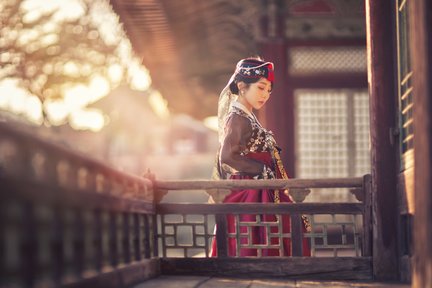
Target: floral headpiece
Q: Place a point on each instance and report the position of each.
(248, 70)
(251, 69)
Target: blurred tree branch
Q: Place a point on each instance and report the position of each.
(37, 51)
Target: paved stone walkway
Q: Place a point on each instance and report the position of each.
(216, 282)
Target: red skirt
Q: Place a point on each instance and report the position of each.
(258, 233)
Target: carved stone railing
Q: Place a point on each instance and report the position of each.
(67, 220)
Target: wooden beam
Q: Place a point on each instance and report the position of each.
(292, 267)
(257, 184)
(329, 81)
(37, 192)
(380, 51)
(354, 42)
(421, 51)
(260, 208)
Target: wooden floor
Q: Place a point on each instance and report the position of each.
(215, 282)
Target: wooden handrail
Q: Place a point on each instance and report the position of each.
(259, 184)
(24, 148)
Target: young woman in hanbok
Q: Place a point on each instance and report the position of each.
(249, 151)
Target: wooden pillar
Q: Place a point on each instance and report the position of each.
(381, 71)
(278, 115)
(421, 57)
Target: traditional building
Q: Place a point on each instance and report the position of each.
(353, 80)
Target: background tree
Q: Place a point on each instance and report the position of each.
(49, 54)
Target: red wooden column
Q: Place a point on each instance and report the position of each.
(421, 47)
(279, 112)
(381, 71)
(278, 115)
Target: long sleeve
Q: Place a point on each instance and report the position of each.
(238, 131)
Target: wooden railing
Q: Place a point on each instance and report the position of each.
(186, 231)
(67, 220)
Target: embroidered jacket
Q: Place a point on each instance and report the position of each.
(243, 134)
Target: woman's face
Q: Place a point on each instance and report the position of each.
(255, 95)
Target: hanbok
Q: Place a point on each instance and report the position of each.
(249, 151)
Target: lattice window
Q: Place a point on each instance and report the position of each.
(362, 141)
(332, 133)
(305, 60)
(406, 104)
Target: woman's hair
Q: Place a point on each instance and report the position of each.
(251, 70)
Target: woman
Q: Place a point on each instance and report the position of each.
(249, 151)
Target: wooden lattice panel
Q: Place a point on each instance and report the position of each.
(191, 235)
(305, 60)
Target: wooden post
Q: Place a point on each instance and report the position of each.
(146, 247)
(113, 251)
(278, 114)
(296, 235)
(421, 57)
(78, 241)
(380, 48)
(28, 248)
(154, 228)
(126, 249)
(367, 221)
(137, 237)
(222, 235)
(279, 110)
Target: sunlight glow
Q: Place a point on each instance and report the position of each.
(139, 76)
(99, 88)
(66, 9)
(107, 22)
(211, 123)
(124, 49)
(33, 109)
(49, 39)
(73, 110)
(77, 97)
(57, 112)
(91, 119)
(71, 105)
(20, 101)
(115, 73)
(17, 101)
(71, 68)
(80, 95)
(159, 105)
(25, 38)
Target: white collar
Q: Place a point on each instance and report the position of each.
(243, 108)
